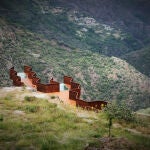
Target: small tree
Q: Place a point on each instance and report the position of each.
(110, 110)
(110, 125)
(1, 117)
(118, 111)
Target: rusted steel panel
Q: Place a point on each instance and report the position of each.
(13, 74)
(27, 69)
(91, 105)
(36, 80)
(55, 87)
(97, 104)
(31, 75)
(68, 80)
(40, 87)
(16, 79)
(78, 91)
(53, 82)
(48, 88)
(75, 85)
(17, 83)
(11, 70)
(81, 103)
(73, 95)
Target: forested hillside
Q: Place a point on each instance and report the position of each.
(140, 60)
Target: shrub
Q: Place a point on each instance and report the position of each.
(52, 105)
(8, 97)
(31, 108)
(53, 97)
(1, 117)
(119, 111)
(30, 98)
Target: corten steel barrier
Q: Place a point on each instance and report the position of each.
(13, 74)
(91, 105)
(31, 75)
(68, 80)
(75, 91)
(53, 86)
(16, 79)
(75, 85)
(27, 69)
(76, 88)
(74, 94)
(47, 88)
(36, 80)
(81, 103)
(11, 71)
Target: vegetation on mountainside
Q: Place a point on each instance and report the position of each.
(144, 111)
(118, 111)
(101, 77)
(69, 27)
(56, 126)
(140, 60)
(56, 40)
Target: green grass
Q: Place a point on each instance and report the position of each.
(44, 125)
(140, 141)
(46, 128)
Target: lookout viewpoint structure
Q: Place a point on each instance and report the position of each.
(71, 95)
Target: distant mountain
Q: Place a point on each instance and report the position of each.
(69, 38)
(129, 15)
(110, 27)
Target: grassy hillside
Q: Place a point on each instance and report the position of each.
(101, 77)
(44, 123)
